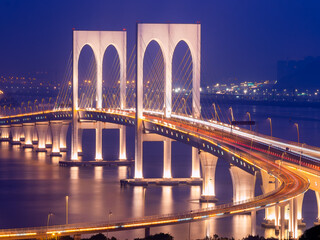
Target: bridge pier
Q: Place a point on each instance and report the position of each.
(282, 221)
(293, 221)
(253, 223)
(318, 205)
(63, 136)
(122, 143)
(268, 185)
(5, 132)
(49, 138)
(195, 163)
(55, 129)
(16, 130)
(243, 184)
(167, 158)
(98, 156)
(147, 232)
(35, 135)
(42, 129)
(28, 132)
(208, 164)
(80, 131)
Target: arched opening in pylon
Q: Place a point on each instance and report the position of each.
(153, 78)
(111, 78)
(182, 70)
(87, 83)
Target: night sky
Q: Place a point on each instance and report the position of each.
(243, 39)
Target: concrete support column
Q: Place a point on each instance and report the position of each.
(122, 143)
(35, 138)
(55, 130)
(63, 136)
(195, 163)
(80, 131)
(98, 156)
(268, 184)
(147, 232)
(208, 164)
(49, 138)
(318, 204)
(16, 130)
(28, 129)
(138, 167)
(282, 221)
(293, 221)
(22, 136)
(243, 184)
(253, 223)
(5, 132)
(42, 129)
(299, 200)
(167, 158)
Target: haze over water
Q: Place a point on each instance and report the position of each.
(32, 184)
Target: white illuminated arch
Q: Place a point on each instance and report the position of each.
(99, 41)
(168, 36)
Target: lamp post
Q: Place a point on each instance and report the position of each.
(67, 209)
(49, 215)
(231, 111)
(249, 116)
(270, 126)
(109, 214)
(297, 126)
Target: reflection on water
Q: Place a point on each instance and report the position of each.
(98, 173)
(241, 225)
(74, 173)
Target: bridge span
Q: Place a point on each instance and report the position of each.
(156, 115)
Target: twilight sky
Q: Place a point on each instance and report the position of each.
(240, 38)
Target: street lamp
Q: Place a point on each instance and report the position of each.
(67, 209)
(49, 215)
(297, 126)
(270, 126)
(109, 214)
(231, 111)
(249, 116)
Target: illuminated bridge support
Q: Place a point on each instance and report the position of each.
(79, 142)
(99, 41)
(42, 128)
(167, 174)
(28, 129)
(55, 130)
(98, 156)
(167, 36)
(243, 184)
(16, 130)
(49, 138)
(195, 163)
(208, 164)
(293, 218)
(5, 132)
(318, 204)
(63, 136)
(268, 185)
(282, 221)
(35, 136)
(122, 143)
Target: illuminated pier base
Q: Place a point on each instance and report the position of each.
(49, 138)
(268, 185)
(243, 184)
(208, 164)
(63, 136)
(5, 132)
(42, 129)
(195, 163)
(282, 222)
(98, 156)
(55, 130)
(122, 143)
(28, 129)
(16, 130)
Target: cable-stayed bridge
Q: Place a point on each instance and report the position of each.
(162, 103)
